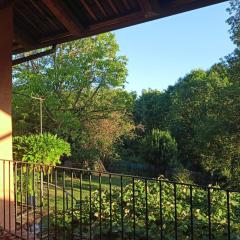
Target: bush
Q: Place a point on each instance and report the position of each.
(200, 212)
(160, 149)
(42, 149)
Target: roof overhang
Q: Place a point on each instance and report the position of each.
(42, 23)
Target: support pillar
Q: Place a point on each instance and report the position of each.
(7, 213)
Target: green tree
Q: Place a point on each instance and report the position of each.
(201, 111)
(151, 109)
(220, 150)
(221, 133)
(82, 83)
(234, 21)
(160, 149)
(189, 109)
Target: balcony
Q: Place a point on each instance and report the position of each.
(68, 203)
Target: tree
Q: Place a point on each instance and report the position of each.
(106, 136)
(151, 109)
(188, 111)
(220, 150)
(82, 83)
(221, 153)
(160, 149)
(234, 21)
(201, 111)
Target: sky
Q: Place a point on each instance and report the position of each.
(161, 51)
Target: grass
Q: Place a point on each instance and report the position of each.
(57, 197)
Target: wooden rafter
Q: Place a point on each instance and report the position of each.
(113, 7)
(41, 11)
(146, 8)
(36, 28)
(116, 22)
(21, 37)
(104, 26)
(33, 56)
(5, 3)
(89, 10)
(63, 17)
(96, 28)
(27, 21)
(101, 8)
(126, 4)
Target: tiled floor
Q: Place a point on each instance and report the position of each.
(7, 236)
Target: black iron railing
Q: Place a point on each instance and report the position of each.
(68, 203)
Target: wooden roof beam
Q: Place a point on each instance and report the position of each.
(59, 12)
(115, 23)
(33, 56)
(146, 8)
(89, 10)
(23, 39)
(113, 7)
(126, 4)
(101, 8)
(5, 3)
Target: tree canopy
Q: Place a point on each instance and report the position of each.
(82, 83)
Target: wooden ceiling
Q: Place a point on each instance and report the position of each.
(41, 23)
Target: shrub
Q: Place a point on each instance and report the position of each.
(123, 206)
(160, 149)
(200, 211)
(42, 149)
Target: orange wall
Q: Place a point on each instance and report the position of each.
(6, 179)
(6, 36)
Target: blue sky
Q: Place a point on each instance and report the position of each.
(163, 50)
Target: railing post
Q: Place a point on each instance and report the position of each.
(7, 216)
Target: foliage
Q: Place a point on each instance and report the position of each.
(223, 132)
(189, 112)
(104, 134)
(202, 114)
(138, 213)
(160, 149)
(42, 149)
(150, 109)
(82, 84)
(234, 21)
(131, 149)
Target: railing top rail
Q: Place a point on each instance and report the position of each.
(89, 171)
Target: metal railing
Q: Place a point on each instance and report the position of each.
(68, 203)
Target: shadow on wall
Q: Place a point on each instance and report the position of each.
(5, 136)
